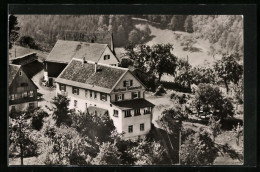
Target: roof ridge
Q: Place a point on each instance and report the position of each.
(15, 65)
(80, 42)
(101, 64)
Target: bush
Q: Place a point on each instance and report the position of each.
(228, 123)
(37, 119)
(175, 86)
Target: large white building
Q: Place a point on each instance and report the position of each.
(102, 88)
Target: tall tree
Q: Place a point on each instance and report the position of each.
(228, 70)
(61, 111)
(19, 135)
(188, 24)
(13, 30)
(198, 149)
(184, 76)
(162, 60)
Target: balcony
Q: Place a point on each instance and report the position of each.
(22, 100)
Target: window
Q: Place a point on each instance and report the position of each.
(137, 112)
(75, 91)
(95, 95)
(119, 97)
(25, 94)
(130, 129)
(128, 113)
(147, 110)
(135, 95)
(142, 127)
(13, 109)
(128, 83)
(90, 94)
(62, 87)
(12, 96)
(75, 103)
(24, 84)
(115, 113)
(86, 93)
(106, 57)
(31, 105)
(103, 96)
(20, 73)
(31, 94)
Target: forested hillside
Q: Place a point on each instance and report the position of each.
(224, 32)
(45, 29)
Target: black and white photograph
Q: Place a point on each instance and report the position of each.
(109, 89)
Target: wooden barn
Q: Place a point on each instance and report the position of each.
(22, 90)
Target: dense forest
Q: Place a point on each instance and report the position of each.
(225, 32)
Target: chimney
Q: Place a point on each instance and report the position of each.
(95, 67)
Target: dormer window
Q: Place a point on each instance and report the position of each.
(106, 57)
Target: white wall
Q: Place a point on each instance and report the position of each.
(112, 60)
(82, 100)
(136, 121)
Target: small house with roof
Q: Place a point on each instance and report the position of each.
(22, 90)
(65, 50)
(102, 88)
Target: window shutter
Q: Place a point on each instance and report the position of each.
(116, 97)
(78, 91)
(60, 86)
(64, 87)
(123, 96)
(138, 94)
(124, 84)
(131, 82)
(132, 95)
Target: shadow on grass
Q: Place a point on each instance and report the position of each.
(171, 143)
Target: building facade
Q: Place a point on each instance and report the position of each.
(64, 50)
(22, 90)
(110, 89)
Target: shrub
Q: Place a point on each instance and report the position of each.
(160, 91)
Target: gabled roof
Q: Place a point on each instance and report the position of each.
(63, 51)
(12, 71)
(133, 104)
(83, 75)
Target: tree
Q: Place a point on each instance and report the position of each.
(37, 119)
(126, 62)
(61, 111)
(148, 153)
(198, 149)
(28, 41)
(228, 70)
(94, 126)
(184, 75)
(108, 155)
(162, 60)
(13, 30)
(134, 36)
(209, 99)
(19, 136)
(188, 24)
(214, 126)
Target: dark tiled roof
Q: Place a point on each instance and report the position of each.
(64, 51)
(12, 71)
(105, 77)
(133, 104)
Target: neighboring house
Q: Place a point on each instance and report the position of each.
(64, 51)
(22, 90)
(100, 88)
